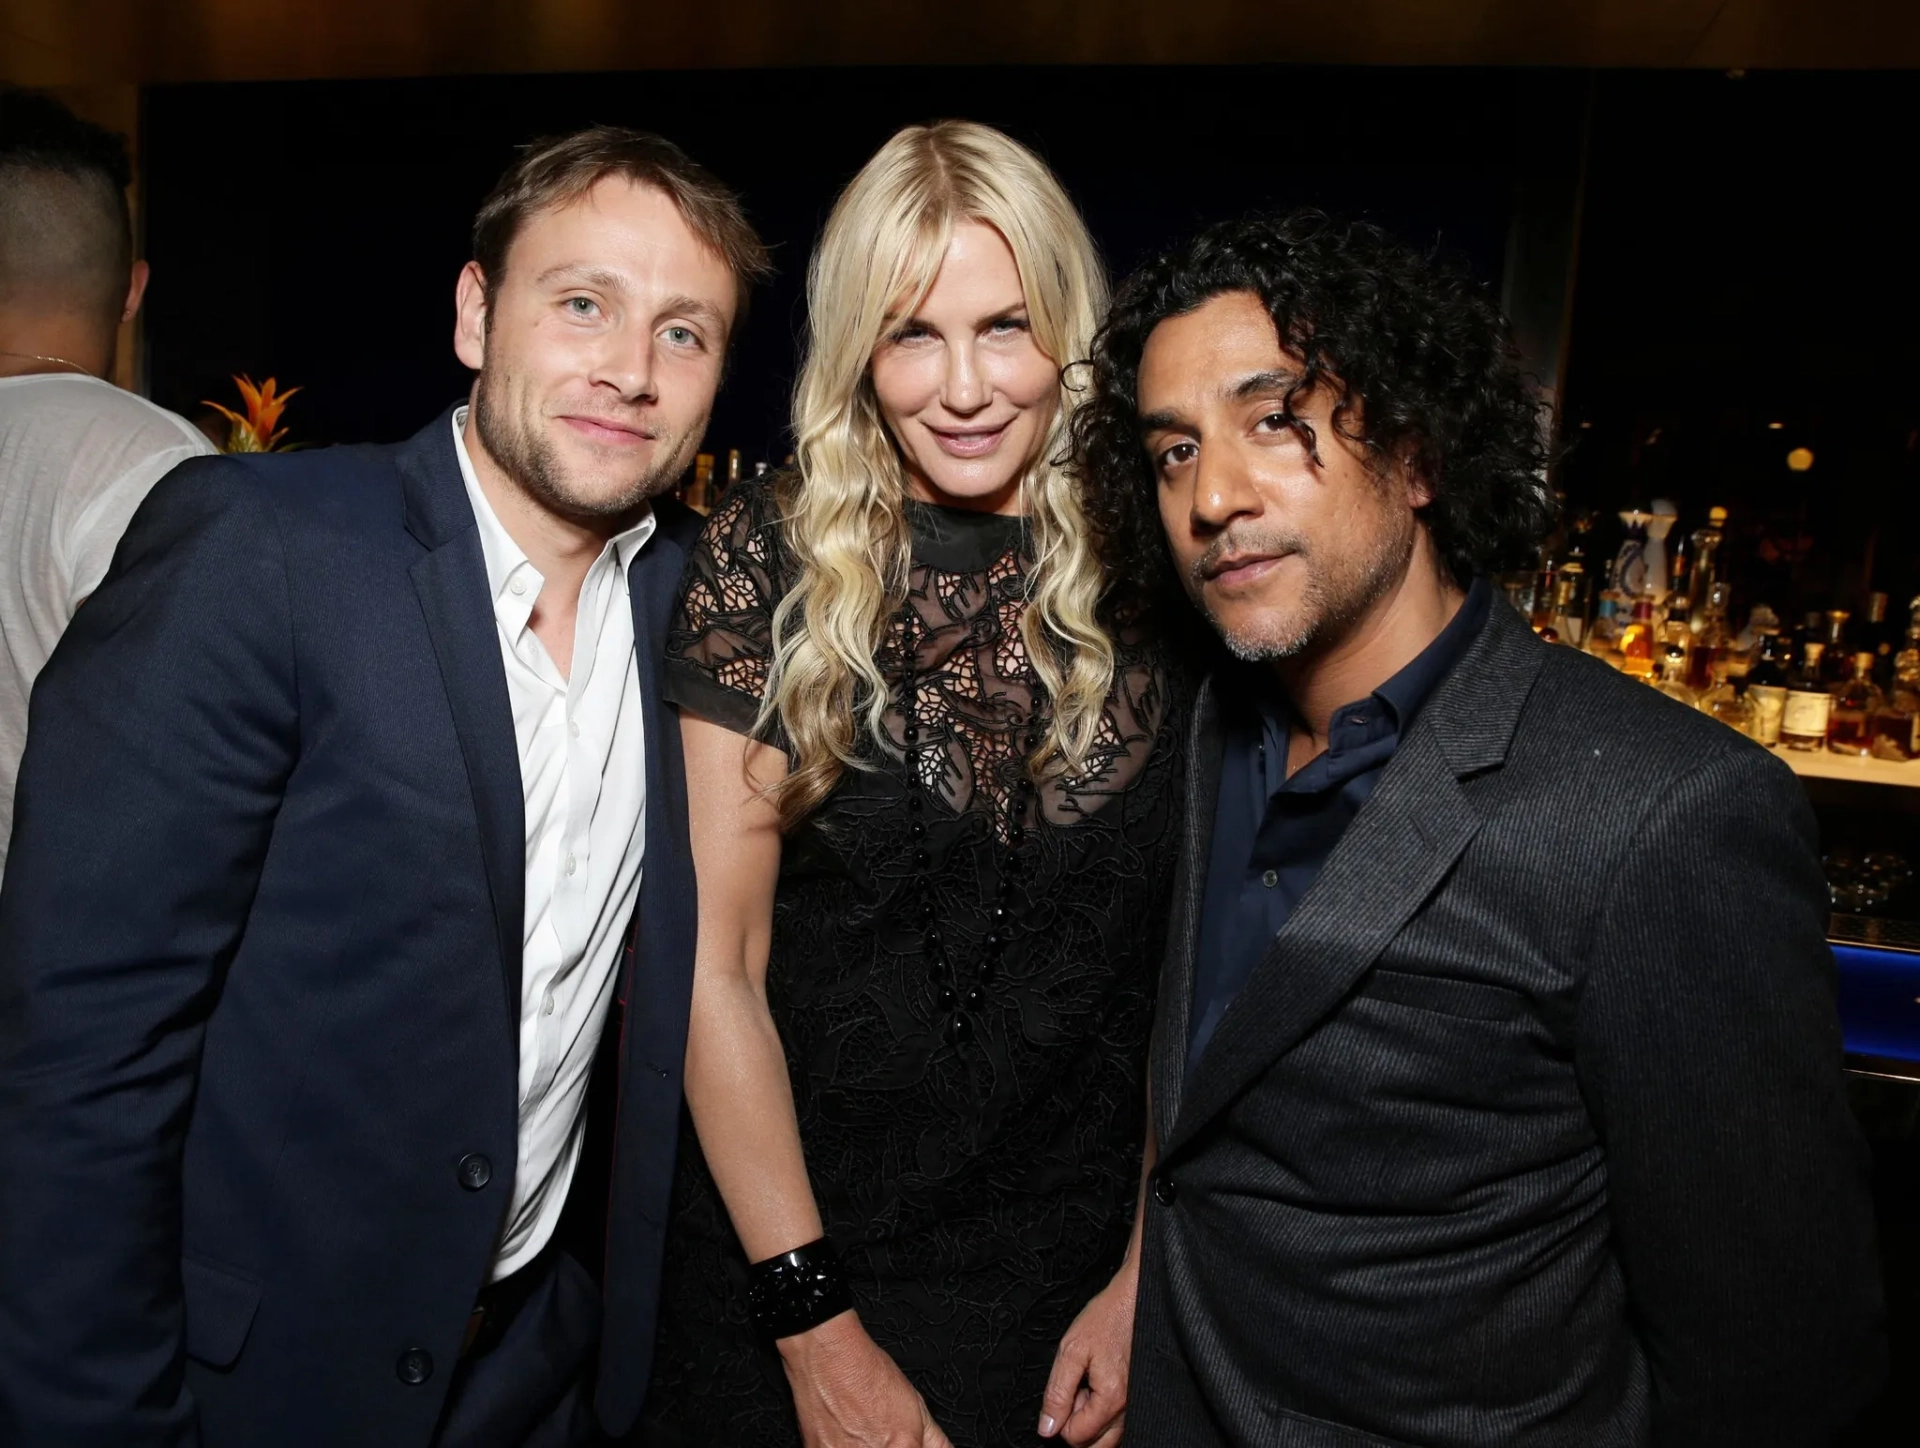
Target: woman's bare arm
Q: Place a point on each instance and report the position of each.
(846, 1390)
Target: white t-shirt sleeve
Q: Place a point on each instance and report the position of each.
(86, 549)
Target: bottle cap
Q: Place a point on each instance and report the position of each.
(1716, 516)
(1863, 660)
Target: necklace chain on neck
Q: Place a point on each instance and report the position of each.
(43, 357)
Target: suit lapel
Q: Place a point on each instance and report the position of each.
(657, 1018)
(451, 582)
(1392, 857)
(1173, 1015)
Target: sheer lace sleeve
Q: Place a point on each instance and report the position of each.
(720, 642)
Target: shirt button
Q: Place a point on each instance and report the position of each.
(517, 587)
(546, 1004)
(570, 864)
(1270, 879)
(573, 728)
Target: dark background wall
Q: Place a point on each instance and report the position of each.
(314, 230)
(1748, 257)
(1745, 255)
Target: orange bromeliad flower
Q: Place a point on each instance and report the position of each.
(253, 431)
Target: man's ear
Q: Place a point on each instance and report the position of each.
(470, 316)
(136, 290)
(1413, 478)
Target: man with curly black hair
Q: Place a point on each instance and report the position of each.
(1497, 1079)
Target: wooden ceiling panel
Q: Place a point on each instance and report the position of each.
(94, 42)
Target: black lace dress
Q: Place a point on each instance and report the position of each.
(962, 972)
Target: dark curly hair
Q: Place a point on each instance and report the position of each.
(1420, 361)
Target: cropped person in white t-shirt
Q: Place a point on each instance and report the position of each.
(77, 454)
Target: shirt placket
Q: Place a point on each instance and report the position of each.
(522, 591)
(579, 797)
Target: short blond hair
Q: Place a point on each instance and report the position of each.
(556, 170)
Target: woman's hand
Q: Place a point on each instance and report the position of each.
(1086, 1399)
(849, 1394)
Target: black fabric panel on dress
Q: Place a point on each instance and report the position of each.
(981, 1189)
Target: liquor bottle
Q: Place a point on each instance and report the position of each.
(1546, 592)
(1728, 702)
(1603, 638)
(1882, 636)
(697, 494)
(733, 469)
(1570, 601)
(1636, 640)
(1660, 523)
(1573, 584)
(1896, 727)
(1803, 723)
(1706, 564)
(1908, 659)
(1675, 632)
(1714, 643)
(1850, 722)
(1837, 659)
(1670, 680)
(1629, 574)
(1767, 688)
(1680, 568)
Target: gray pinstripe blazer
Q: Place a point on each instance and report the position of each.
(1529, 1128)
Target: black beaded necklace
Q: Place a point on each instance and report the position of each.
(958, 1006)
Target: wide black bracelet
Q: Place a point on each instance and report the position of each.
(798, 1289)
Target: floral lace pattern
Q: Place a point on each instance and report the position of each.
(979, 1182)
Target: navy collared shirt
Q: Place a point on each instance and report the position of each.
(1271, 834)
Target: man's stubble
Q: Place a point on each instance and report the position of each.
(517, 445)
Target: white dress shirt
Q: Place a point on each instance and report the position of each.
(584, 778)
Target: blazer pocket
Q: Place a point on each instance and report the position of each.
(1297, 1430)
(1469, 999)
(220, 1307)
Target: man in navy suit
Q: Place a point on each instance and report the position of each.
(350, 829)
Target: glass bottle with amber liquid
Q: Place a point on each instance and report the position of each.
(698, 494)
(1803, 722)
(1669, 676)
(1637, 643)
(1850, 721)
(1836, 659)
(1713, 643)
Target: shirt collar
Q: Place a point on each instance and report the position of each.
(1407, 690)
(1366, 731)
(507, 562)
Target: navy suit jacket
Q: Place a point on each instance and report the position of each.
(260, 970)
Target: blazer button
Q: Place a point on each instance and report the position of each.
(1164, 1191)
(414, 1366)
(475, 1171)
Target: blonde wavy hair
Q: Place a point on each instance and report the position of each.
(844, 519)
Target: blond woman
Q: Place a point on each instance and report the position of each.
(933, 805)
